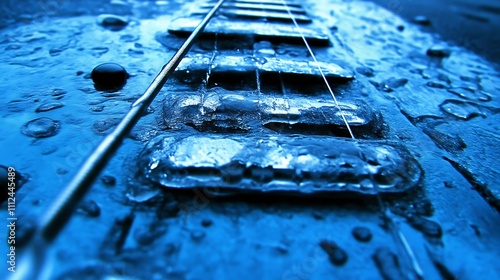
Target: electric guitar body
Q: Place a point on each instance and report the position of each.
(295, 140)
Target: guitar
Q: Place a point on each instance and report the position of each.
(284, 130)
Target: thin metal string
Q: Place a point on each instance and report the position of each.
(205, 83)
(399, 237)
(32, 258)
(319, 68)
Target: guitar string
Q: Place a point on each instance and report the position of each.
(59, 212)
(398, 236)
(206, 83)
(319, 68)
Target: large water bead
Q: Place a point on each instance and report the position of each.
(109, 76)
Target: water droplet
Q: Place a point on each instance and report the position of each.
(367, 184)
(438, 51)
(260, 174)
(128, 38)
(264, 47)
(476, 229)
(318, 215)
(48, 150)
(112, 22)
(98, 51)
(142, 194)
(436, 85)
(450, 185)
(422, 20)
(48, 107)
(449, 143)
(390, 84)
(282, 249)
(336, 254)
(206, 222)
(470, 93)
(260, 60)
(232, 172)
(475, 80)
(109, 77)
(135, 52)
(427, 227)
(56, 52)
(443, 78)
(154, 163)
(249, 59)
(98, 108)
(62, 171)
(362, 234)
(461, 109)
(102, 126)
(41, 128)
(90, 208)
(197, 235)
(32, 37)
(13, 47)
(58, 93)
(365, 71)
(88, 89)
(387, 263)
(108, 180)
(109, 94)
(268, 52)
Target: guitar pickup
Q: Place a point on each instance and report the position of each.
(195, 68)
(219, 110)
(265, 13)
(260, 30)
(267, 2)
(259, 6)
(304, 165)
(269, 20)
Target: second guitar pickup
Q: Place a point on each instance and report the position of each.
(219, 110)
(196, 67)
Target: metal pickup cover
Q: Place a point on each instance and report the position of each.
(291, 164)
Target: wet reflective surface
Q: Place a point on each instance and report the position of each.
(288, 164)
(424, 101)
